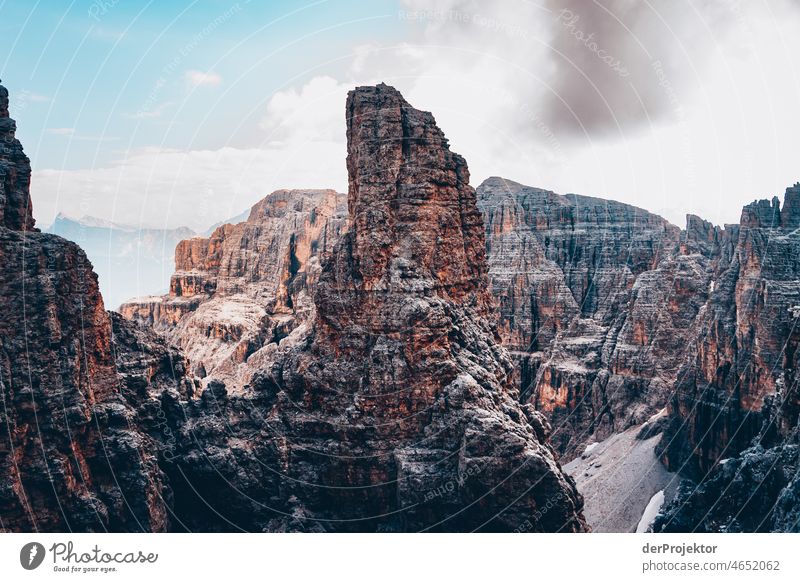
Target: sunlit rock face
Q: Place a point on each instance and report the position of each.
(236, 294)
(612, 315)
(394, 359)
(734, 411)
(739, 381)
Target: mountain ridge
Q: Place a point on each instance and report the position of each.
(424, 363)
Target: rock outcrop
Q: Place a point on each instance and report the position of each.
(395, 411)
(741, 371)
(613, 314)
(16, 211)
(237, 294)
(72, 454)
(598, 303)
(734, 412)
(354, 376)
(757, 490)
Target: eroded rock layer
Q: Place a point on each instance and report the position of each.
(353, 372)
(598, 302)
(396, 412)
(16, 211)
(595, 333)
(237, 294)
(388, 405)
(743, 363)
(734, 412)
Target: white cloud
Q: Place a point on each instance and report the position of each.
(168, 188)
(152, 112)
(713, 134)
(708, 129)
(303, 147)
(61, 130)
(201, 78)
(314, 112)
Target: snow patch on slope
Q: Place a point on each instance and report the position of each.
(618, 478)
(650, 512)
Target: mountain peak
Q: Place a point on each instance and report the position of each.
(16, 210)
(411, 207)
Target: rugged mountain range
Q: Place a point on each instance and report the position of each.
(613, 314)
(404, 353)
(390, 405)
(734, 411)
(394, 360)
(598, 301)
(596, 335)
(237, 293)
(603, 307)
(128, 260)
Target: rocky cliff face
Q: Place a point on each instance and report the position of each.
(354, 377)
(741, 370)
(72, 454)
(598, 302)
(735, 408)
(595, 335)
(395, 411)
(386, 404)
(236, 294)
(613, 314)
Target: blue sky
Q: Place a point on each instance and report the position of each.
(92, 78)
(186, 113)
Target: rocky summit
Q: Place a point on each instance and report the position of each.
(619, 320)
(405, 366)
(395, 411)
(740, 378)
(386, 403)
(734, 411)
(598, 302)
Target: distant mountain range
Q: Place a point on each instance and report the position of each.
(129, 261)
(241, 217)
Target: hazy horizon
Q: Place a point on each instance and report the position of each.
(238, 216)
(166, 116)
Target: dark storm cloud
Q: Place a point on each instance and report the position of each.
(621, 64)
